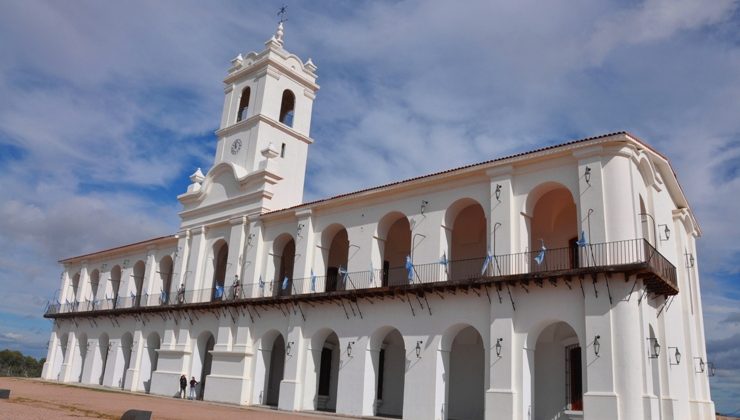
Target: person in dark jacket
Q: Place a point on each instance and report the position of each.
(183, 386)
(193, 386)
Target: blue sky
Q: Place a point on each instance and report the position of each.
(107, 107)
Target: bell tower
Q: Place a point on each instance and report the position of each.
(264, 132)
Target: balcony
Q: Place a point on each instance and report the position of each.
(634, 256)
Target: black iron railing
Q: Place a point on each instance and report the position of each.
(637, 253)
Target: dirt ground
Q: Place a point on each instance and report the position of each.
(35, 399)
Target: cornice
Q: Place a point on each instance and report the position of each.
(254, 120)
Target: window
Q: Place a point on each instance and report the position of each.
(282, 151)
(243, 105)
(287, 106)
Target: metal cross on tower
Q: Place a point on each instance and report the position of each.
(282, 12)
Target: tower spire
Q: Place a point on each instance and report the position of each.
(282, 12)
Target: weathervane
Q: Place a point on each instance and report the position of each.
(282, 12)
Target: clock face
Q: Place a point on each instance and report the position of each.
(236, 146)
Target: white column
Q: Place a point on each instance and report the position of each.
(291, 387)
(253, 258)
(237, 238)
(194, 281)
(600, 401)
(69, 356)
(305, 248)
(84, 289)
(132, 373)
(150, 271)
(501, 395)
(180, 264)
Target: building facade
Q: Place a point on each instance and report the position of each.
(558, 283)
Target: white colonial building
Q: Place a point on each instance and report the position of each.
(559, 283)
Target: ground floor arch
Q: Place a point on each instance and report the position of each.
(465, 375)
(555, 371)
(202, 361)
(322, 372)
(388, 352)
(269, 368)
(127, 343)
(149, 361)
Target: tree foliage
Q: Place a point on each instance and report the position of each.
(14, 363)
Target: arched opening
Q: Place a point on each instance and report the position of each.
(103, 351)
(554, 228)
(221, 256)
(466, 380)
(139, 269)
(94, 284)
(202, 361)
(127, 343)
(396, 229)
(80, 356)
(276, 370)
(149, 361)
(558, 372)
(467, 241)
(115, 284)
(284, 255)
(389, 362)
(75, 288)
(241, 114)
(325, 354)
(287, 106)
(165, 278)
(336, 259)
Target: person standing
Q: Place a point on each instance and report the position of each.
(183, 386)
(193, 385)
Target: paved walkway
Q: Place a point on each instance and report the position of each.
(36, 399)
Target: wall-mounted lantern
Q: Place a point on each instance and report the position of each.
(349, 348)
(300, 229)
(689, 260)
(587, 175)
(653, 348)
(712, 371)
(498, 192)
(597, 345)
(418, 349)
(666, 233)
(424, 204)
(289, 348)
(700, 365)
(498, 346)
(676, 360)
